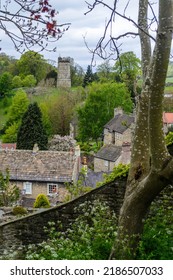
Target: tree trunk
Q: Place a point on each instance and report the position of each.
(151, 165)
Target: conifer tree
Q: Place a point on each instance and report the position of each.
(31, 130)
(89, 77)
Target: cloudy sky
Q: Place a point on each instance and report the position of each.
(90, 26)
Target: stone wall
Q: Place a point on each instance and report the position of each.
(30, 229)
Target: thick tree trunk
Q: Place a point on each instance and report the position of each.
(151, 165)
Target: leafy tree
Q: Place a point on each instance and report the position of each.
(151, 168)
(105, 72)
(10, 135)
(128, 68)
(29, 81)
(31, 130)
(77, 74)
(5, 83)
(45, 118)
(9, 194)
(60, 113)
(99, 106)
(34, 23)
(17, 82)
(32, 63)
(19, 105)
(7, 64)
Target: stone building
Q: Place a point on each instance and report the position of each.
(117, 140)
(64, 75)
(119, 129)
(45, 172)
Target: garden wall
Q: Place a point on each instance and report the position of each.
(30, 229)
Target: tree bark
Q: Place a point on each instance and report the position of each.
(150, 157)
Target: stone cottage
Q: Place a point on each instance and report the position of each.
(119, 129)
(45, 172)
(116, 142)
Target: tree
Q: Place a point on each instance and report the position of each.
(5, 83)
(9, 194)
(18, 107)
(32, 63)
(105, 72)
(34, 22)
(99, 106)
(128, 68)
(151, 168)
(89, 76)
(29, 81)
(60, 113)
(31, 131)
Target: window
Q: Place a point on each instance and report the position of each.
(106, 163)
(52, 189)
(27, 186)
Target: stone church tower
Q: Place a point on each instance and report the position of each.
(64, 77)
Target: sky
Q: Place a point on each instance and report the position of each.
(90, 26)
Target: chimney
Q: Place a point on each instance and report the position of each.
(118, 111)
(35, 148)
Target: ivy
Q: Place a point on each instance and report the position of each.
(119, 171)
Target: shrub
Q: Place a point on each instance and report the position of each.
(90, 236)
(41, 201)
(19, 210)
(157, 239)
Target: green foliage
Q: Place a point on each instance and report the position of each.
(90, 236)
(99, 106)
(105, 72)
(32, 63)
(10, 135)
(31, 130)
(19, 211)
(19, 105)
(16, 82)
(45, 118)
(157, 238)
(5, 83)
(90, 147)
(29, 81)
(169, 138)
(61, 111)
(88, 78)
(17, 109)
(9, 193)
(79, 188)
(41, 201)
(128, 67)
(119, 171)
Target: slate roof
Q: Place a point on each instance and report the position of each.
(109, 152)
(120, 123)
(42, 166)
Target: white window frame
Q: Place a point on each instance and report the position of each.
(52, 185)
(106, 163)
(27, 186)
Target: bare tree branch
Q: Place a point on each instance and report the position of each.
(35, 24)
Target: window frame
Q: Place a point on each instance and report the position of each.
(52, 185)
(25, 185)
